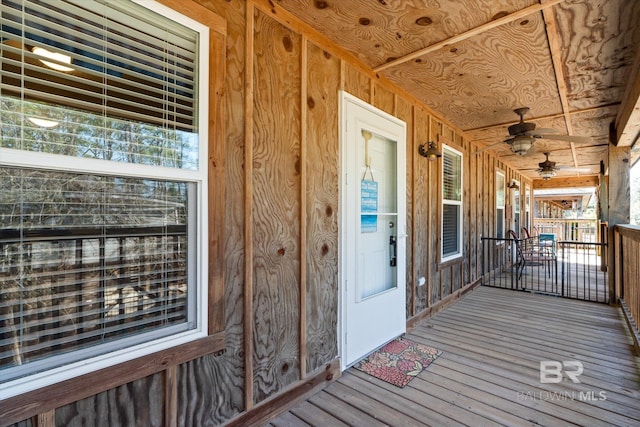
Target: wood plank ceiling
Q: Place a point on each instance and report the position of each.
(574, 63)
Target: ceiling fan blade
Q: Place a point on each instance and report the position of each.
(545, 131)
(573, 169)
(569, 138)
(487, 147)
(532, 151)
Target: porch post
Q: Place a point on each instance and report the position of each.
(619, 206)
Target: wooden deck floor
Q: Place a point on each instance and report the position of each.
(493, 341)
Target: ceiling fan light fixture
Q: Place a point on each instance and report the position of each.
(521, 146)
(547, 174)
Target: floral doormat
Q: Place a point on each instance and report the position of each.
(399, 361)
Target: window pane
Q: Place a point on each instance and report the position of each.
(451, 202)
(500, 182)
(88, 260)
(84, 134)
(126, 90)
(451, 176)
(500, 223)
(450, 230)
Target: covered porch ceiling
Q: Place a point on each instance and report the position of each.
(573, 63)
(566, 199)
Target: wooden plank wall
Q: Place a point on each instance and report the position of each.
(281, 230)
(275, 188)
(404, 111)
(321, 195)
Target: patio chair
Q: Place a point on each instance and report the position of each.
(547, 241)
(529, 253)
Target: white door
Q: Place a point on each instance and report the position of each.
(372, 228)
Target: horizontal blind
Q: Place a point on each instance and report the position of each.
(451, 176)
(88, 260)
(451, 202)
(450, 229)
(127, 68)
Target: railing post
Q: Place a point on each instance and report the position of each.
(555, 268)
(79, 258)
(618, 278)
(562, 263)
(513, 260)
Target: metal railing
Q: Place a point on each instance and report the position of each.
(566, 268)
(583, 273)
(499, 263)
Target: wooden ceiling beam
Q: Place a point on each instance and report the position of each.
(555, 47)
(566, 182)
(470, 33)
(547, 117)
(627, 122)
(553, 202)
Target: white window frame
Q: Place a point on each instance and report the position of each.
(527, 208)
(501, 208)
(54, 162)
(459, 203)
(517, 211)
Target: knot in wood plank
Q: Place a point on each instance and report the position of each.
(287, 43)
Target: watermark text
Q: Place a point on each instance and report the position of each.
(552, 371)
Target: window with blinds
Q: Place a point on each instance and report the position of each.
(102, 80)
(451, 203)
(500, 204)
(101, 154)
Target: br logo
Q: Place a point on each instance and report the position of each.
(552, 371)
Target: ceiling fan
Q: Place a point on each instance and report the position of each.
(548, 169)
(523, 134)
